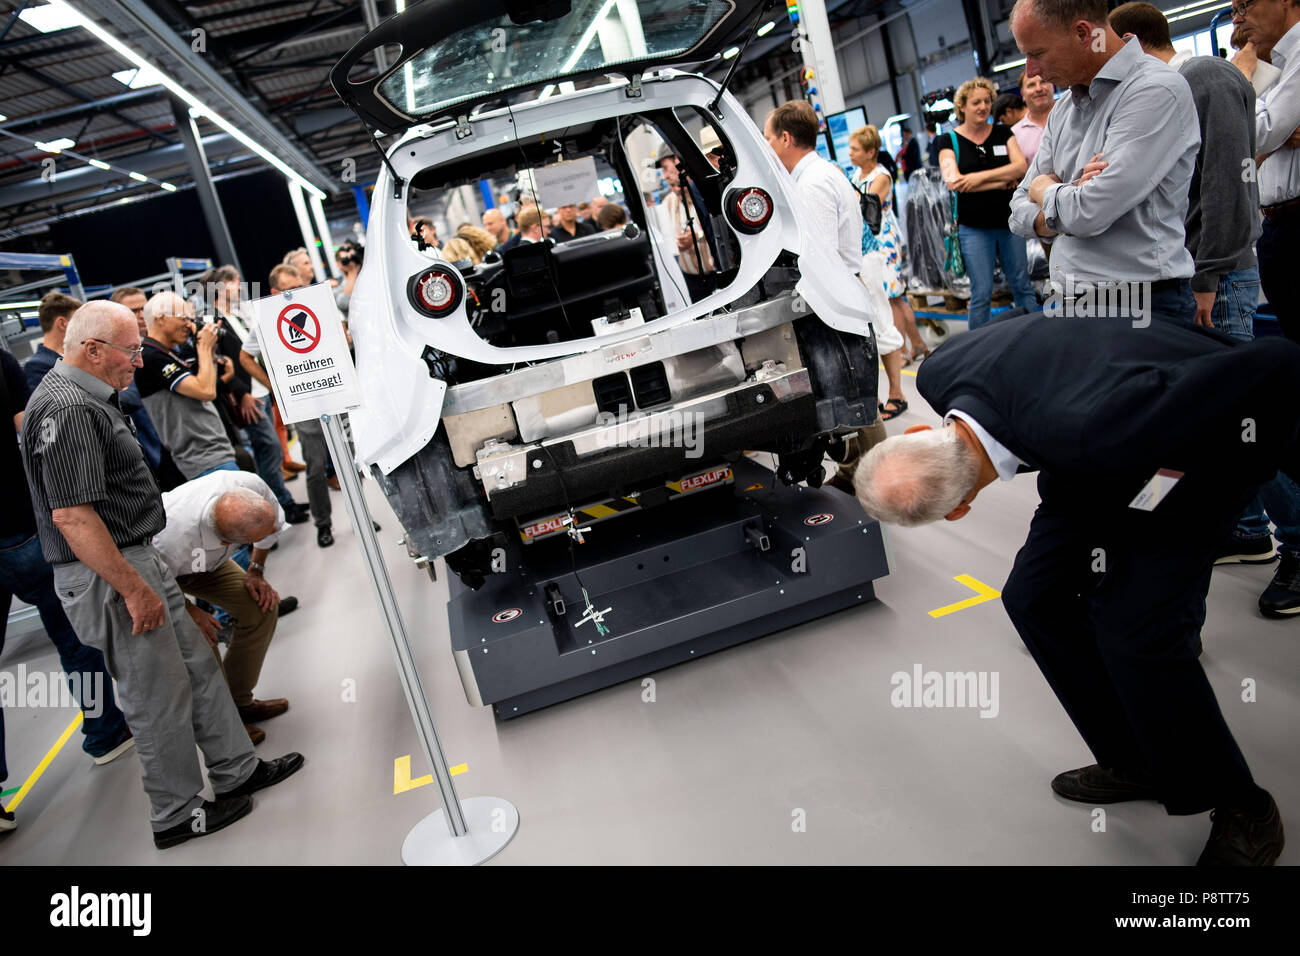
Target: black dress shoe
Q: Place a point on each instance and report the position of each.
(1282, 597)
(1243, 838)
(288, 605)
(324, 536)
(214, 817)
(267, 774)
(1096, 784)
(297, 513)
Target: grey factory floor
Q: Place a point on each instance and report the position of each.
(717, 768)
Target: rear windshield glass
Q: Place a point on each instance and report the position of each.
(496, 55)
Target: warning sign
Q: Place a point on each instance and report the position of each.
(306, 352)
(822, 518)
(298, 328)
(506, 616)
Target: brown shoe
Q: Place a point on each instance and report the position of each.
(255, 734)
(334, 484)
(260, 710)
(290, 465)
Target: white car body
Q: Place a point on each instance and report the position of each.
(403, 403)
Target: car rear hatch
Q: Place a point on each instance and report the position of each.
(456, 55)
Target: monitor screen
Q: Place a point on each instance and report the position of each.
(824, 146)
(838, 128)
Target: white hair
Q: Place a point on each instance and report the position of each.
(241, 514)
(164, 303)
(918, 478)
(95, 320)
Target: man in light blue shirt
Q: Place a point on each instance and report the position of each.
(1109, 184)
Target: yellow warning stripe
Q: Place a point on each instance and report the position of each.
(45, 762)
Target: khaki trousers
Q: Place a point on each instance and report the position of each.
(254, 628)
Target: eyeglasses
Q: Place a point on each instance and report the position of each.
(134, 353)
(1240, 8)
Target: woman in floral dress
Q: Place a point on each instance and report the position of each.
(864, 148)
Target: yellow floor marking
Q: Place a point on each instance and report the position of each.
(902, 371)
(982, 593)
(40, 767)
(402, 775)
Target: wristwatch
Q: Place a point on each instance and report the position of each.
(257, 566)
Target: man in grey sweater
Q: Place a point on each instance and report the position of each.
(1222, 226)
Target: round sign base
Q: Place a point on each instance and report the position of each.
(492, 823)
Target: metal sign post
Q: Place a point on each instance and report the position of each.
(478, 827)
(306, 353)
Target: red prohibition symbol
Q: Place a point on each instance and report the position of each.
(298, 328)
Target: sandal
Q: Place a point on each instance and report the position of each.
(918, 354)
(892, 408)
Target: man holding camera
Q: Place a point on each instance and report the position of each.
(178, 392)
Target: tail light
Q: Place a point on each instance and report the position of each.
(748, 210)
(437, 291)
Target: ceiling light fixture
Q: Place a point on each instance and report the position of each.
(137, 78)
(185, 95)
(99, 164)
(56, 145)
(51, 17)
(138, 177)
(168, 186)
(766, 28)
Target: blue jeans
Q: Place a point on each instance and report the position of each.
(981, 248)
(1234, 314)
(224, 466)
(267, 453)
(25, 573)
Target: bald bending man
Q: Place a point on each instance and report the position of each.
(1108, 597)
(97, 510)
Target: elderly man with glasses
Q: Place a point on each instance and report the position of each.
(178, 391)
(97, 510)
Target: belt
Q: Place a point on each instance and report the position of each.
(138, 543)
(1278, 209)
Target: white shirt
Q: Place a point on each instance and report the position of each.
(1277, 115)
(191, 544)
(832, 205)
(1004, 462)
(243, 329)
(1265, 75)
(252, 344)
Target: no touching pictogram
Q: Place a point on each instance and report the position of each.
(298, 328)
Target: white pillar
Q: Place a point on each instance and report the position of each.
(304, 224)
(323, 227)
(819, 53)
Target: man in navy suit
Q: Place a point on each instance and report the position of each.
(1148, 441)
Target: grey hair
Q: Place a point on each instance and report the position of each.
(240, 514)
(94, 320)
(914, 479)
(162, 304)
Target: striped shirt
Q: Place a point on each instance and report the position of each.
(79, 448)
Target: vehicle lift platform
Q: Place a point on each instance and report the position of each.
(664, 585)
